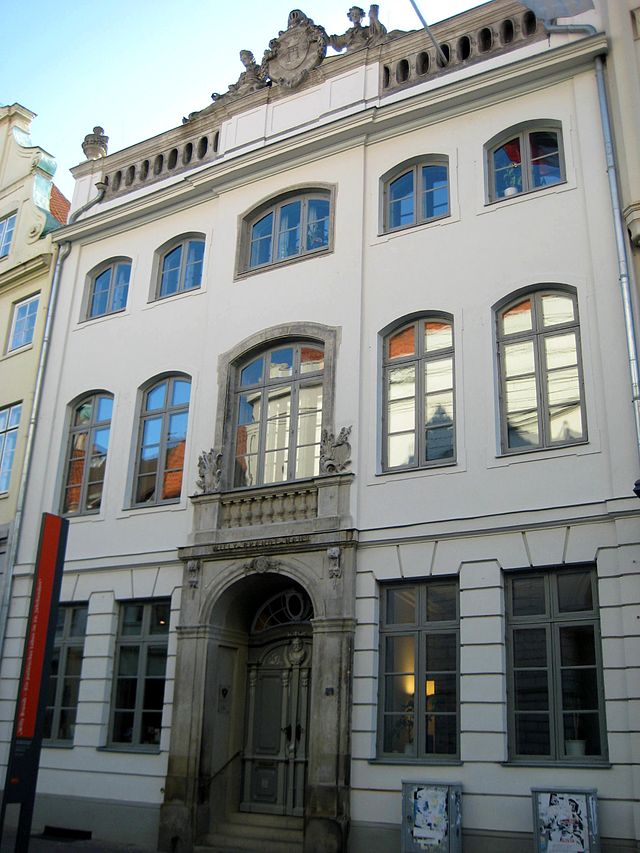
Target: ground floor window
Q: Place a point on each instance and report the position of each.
(64, 678)
(419, 670)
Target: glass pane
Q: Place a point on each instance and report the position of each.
(438, 334)
(74, 661)
(181, 392)
(442, 600)
(156, 397)
(519, 359)
(246, 470)
(399, 693)
(132, 619)
(435, 191)
(439, 409)
(522, 429)
(252, 373)
(401, 416)
(281, 363)
(172, 478)
(521, 394)
(527, 596)
(581, 734)
(442, 653)
(530, 647)
(398, 733)
(193, 270)
(171, 272)
(556, 310)
(104, 409)
(402, 344)
(561, 351)
(307, 461)
(146, 488)
(151, 433)
(438, 375)
(289, 230)
(545, 158)
(153, 694)
(563, 386)
(507, 169)
(159, 623)
(579, 689)
(78, 622)
(99, 301)
(83, 413)
(99, 448)
(574, 591)
(121, 287)
(531, 690)
(276, 466)
(401, 450)
(317, 224)
(278, 411)
(400, 655)
(441, 692)
(70, 689)
(517, 318)
(439, 444)
(532, 734)
(402, 381)
(565, 423)
(150, 729)
(261, 241)
(311, 359)
(123, 727)
(67, 724)
(401, 606)
(441, 734)
(177, 427)
(401, 196)
(126, 689)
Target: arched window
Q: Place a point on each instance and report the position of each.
(417, 191)
(87, 454)
(278, 414)
(292, 226)
(542, 398)
(161, 441)
(524, 159)
(419, 411)
(179, 265)
(108, 288)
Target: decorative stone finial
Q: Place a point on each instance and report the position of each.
(335, 453)
(95, 144)
(209, 471)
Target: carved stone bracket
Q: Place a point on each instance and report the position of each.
(261, 565)
(209, 471)
(335, 567)
(193, 573)
(335, 453)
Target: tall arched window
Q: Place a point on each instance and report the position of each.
(419, 415)
(278, 414)
(161, 441)
(87, 454)
(540, 371)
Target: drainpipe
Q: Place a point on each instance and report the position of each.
(618, 224)
(16, 528)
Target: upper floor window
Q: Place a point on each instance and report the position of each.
(9, 423)
(290, 227)
(419, 671)
(161, 442)
(419, 411)
(416, 193)
(525, 160)
(7, 227)
(23, 324)
(540, 371)
(556, 702)
(278, 414)
(87, 454)
(109, 287)
(180, 266)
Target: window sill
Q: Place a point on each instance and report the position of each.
(84, 321)
(18, 350)
(52, 744)
(507, 201)
(592, 764)
(127, 748)
(128, 511)
(412, 760)
(171, 297)
(285, 262)
(514, 457)
(402, 229)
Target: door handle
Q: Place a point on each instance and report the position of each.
(287, 730)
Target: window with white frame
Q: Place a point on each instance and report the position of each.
(109, 288)
(289, 227)
(419, 670)
(180, 265)
(556, 701)
(542, 399)
(7, 227)
(278, 414)
(416, 192)
(524, 160)
(87, 454)
(418, 377)
(161, 441)
(23, 323)
(9, 423)
(64, 678)
(140, 670)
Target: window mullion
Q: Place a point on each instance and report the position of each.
(262, 433)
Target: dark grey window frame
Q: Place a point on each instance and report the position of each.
(552, 621)
(522, 131)
(62, 644)
(143, 642)
(419, 359)
(94, 274)
(414, 165)
(419, 629)
(158, 260)
(74, 430)
(538, 334)
(273, 205)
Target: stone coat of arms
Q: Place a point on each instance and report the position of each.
(297, 51)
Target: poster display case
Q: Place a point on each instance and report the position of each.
(565, 820)
(431, 817)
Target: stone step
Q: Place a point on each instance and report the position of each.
(243, 832)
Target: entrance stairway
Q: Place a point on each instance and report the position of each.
(249, 833)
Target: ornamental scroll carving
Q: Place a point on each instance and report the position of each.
(335, 452)
(261, 565)
(335, 567)
(193, 573)
(209, 471)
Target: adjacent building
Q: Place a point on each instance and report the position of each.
(339, 407)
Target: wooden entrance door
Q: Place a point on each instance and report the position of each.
(275, 754)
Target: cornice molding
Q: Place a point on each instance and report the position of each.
(26, 271)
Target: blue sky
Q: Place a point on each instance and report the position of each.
(137, 66)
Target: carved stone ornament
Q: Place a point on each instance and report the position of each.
(95, 144)
(335, 568)
(357, 36)
(193, 572)
(335, 453)
(261, 565)
(297, 51)
(296, 651)
(209, 471)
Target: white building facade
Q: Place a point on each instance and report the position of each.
(381, 297)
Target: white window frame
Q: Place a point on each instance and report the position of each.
(7, 229)
(17, 307)
(10, 423)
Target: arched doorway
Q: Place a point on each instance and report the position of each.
(274, 760)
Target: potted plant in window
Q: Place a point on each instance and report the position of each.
(575, 745)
